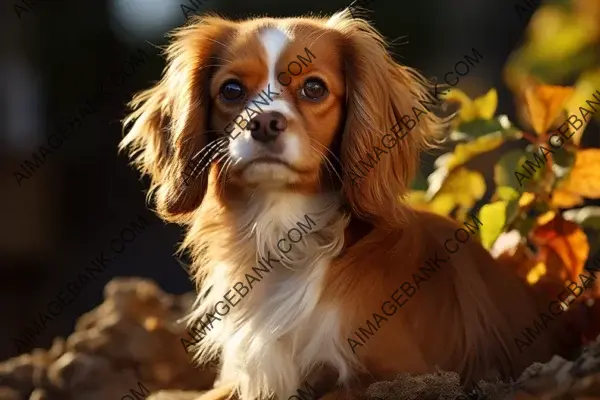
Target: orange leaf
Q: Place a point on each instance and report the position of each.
(565, 199)
(567, 241)
(544, 104)
(584, 178)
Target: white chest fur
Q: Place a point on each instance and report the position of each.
(280, 330)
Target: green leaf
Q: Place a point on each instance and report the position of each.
(504, 170)
(480, 127)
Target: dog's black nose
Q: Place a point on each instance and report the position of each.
(266, 126)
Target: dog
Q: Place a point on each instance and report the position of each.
(248, 139)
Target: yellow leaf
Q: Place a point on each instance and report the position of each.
(584, 178)
(467, 111)
(485, 106)
(557, 35)
(493, 219)
(507, 193)
(544, 104)
(546, 217)
(442, 204)
(536, 273)
(585, 87)
(462, 188)
(466, 151)
(526, 199)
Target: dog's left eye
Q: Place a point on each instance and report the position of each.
(314, 89)
(232, 91)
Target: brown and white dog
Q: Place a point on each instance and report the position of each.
(256, 181)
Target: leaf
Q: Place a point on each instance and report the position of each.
(462, 188)
(546, 217)
(544, 104)
(566, 240)
(466, 112)
(485, 106)
(479, 127)
(584, 178)
(507, 193)
(557, 35)
(536, 273)
(482, 108)
(565, 199)
(442, 204)
(504, 170)
(466, 151)
(493, 220)
(526, 199)
(585, 87)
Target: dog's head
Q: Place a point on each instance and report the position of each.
(297, 104)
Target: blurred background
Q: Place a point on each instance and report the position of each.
(69, 67)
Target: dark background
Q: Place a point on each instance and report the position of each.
(57, 54)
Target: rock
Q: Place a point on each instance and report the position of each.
(131, 339)
(129, 347)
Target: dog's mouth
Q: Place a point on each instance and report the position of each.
(274, 161)
(269, 160)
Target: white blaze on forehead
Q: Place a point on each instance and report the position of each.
(275, 41)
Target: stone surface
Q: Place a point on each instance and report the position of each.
(133, 338)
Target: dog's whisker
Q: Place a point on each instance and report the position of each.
(214, 155)
(223, 155)
(327, 160)
(214, 143)
(208, 153)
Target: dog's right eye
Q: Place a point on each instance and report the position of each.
(232, 91)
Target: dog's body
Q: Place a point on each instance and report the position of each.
(300, 315)
(297, 314)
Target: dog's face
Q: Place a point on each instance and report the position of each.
(279, 105)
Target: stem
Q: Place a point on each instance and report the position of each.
(531, 138)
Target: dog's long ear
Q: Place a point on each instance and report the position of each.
(170, 120)
(378, 156)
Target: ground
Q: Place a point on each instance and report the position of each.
(130, 347)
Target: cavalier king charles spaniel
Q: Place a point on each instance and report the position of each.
(252, 140)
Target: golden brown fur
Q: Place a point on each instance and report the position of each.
(462, 319)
